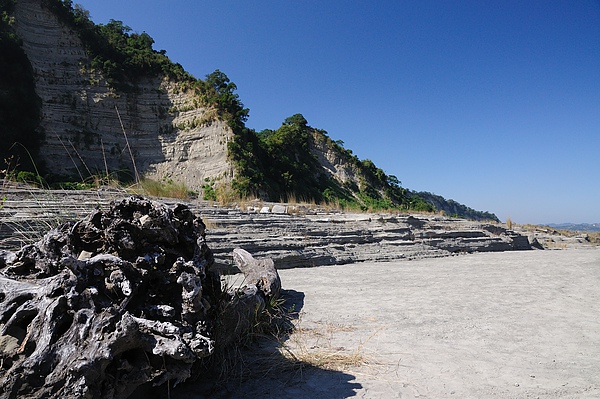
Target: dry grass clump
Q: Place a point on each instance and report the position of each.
(33, 212)
(26, 231)
(226, 195)
(279, 346)
(315, 348)
(210, 224)
(165, 189)
(336, 359)
(594, 238)
(325, 359)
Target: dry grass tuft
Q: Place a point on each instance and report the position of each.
(164, 189)
(225, 194)
(315, 348)
(509, 223)
(329, 359)
(210, 224)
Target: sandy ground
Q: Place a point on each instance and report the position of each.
(493, 325)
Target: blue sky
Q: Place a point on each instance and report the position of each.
(495, 104)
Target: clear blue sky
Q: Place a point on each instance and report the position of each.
(495, 104)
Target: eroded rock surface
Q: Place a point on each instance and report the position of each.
(165, 129)
(119, 299)
(295, 237)
(316, 239)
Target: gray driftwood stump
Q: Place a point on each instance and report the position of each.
(119, 299)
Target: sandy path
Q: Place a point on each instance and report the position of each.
(494, 325)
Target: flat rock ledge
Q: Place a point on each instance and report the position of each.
(337, 238)
(293, 236)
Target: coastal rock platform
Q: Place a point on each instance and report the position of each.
(292, 235)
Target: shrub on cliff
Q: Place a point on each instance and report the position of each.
(278, 164)
(122, 55)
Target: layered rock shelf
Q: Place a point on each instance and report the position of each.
(316, 239)
(293, 236)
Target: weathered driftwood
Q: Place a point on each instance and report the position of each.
(119, 299)
(259, 275)
(260, 286)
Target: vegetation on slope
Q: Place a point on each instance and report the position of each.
(272, 164)
(279, 164)
(123, 56)
(276, 164)
(455, 209)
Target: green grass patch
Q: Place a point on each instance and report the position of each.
(167, 188)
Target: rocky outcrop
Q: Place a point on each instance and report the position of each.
(292, 236)
(119, 299)
(315, 239)
(541, 237)
(334, 162)
(170, 134)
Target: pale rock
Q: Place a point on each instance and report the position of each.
(279, 209)
(170, 134)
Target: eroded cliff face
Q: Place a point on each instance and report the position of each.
(170, 133)
(335, 164)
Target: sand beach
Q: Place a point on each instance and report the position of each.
(523, 324)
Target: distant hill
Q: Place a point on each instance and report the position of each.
(453, 208)
(585, 227)
(96, 100)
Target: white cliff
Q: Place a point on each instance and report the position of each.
(171, 134)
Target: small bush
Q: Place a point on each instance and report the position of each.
(68, 185)
(167, 188)
(30, 178)
(209, 192)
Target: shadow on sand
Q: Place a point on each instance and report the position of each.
(261, 371)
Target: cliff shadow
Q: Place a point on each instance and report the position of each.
(263, 369)
(128, 133)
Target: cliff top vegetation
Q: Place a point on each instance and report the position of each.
(272, 164)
